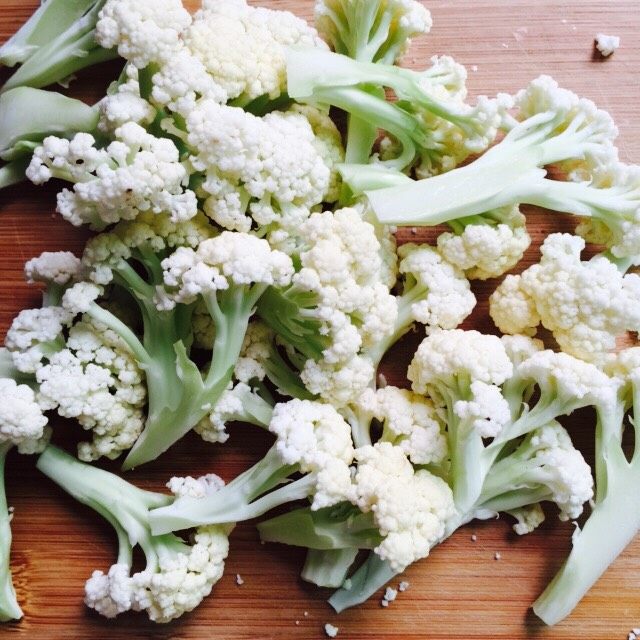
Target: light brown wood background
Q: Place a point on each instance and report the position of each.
(461, 591)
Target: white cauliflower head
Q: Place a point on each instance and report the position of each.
(144, 31)
(316, 437)
(486, 411)
(21, 418)
(483, 251)
(59, 267)
(439, 294)
(136, 172)
(586, 305)
(242, 47)
(454, 359)
(264, 171)
(230, 259)
(96, 380)
(410, 422)
(410, 508)
(34, 334)
(338, 384)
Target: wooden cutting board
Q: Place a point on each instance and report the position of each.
(461, 591)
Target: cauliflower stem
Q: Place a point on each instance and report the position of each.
(9, 607)
(597, 544)
(180, 395)
(56, 42)
(328, 568)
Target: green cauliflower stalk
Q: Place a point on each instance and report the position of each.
(56, 42)
(614, 520)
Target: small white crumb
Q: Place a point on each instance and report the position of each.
(414, 231)
(330, 630)
(505, 45)
(384, 603)
(474, 537)
(606, 45)
(390, 594)
(403, 586)
(306, 614)
(520, 33)
(497, 555)
(564, 21)
(297, 622)
(239, 580)
(474, 67)
(382, 380)
(347, 584)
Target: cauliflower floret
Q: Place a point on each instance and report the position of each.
(512, 310)
(34, 334)
(570, 112)
(438, 293)
(555, 463)
(256, 350)
(520, 348)
(257, 170)
(486, 411)
(195, 487)
(229, 408)
(342, 264)
(79, 298)
(483, 251)
(96, 380)
(445, 355)
(230, 258)
(110, 594)
(135, 173)
(586, 305)
(328, 143)
(409, 507)
(338, 384)
(317, 438)
(144, 31)
(528, 518)
(123, 103)
(410, 422)
(58, 267)
(181, 81)
(21, 417)
(242, 47)
(562, 377)
(108, 252)
(183, 580)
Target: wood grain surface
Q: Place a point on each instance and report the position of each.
(461, 591)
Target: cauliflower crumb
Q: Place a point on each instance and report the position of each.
(390, 594)
(474, 537)
(384, 603)
(497, 556)
(330, 630)
(403, 586)
(239, 580)
(606, 45)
